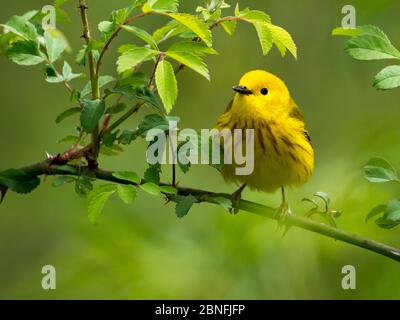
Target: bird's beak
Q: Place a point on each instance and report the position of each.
(242, 90)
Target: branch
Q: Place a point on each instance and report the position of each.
(114, 35)
(47, 168)
(94, 79)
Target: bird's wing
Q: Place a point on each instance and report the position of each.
(297, 114)
(295, 111)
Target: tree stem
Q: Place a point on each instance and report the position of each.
(47, 168)
(94, 78)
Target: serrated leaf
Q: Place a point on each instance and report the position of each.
(152, 174)
(151, 188)
(388, 78)
(19, 181)
(54, 46)
(127, 193)
(184, 204)
(142, 34)
(283, 40)
(21, 27)
(128, 176)
(371, 47)
(25, 53)
(68, 75)
(163, 5)
(194, 24)
(132, 57)
(103, 81)
(264, 35)
(91, 114)
(61, 180)
(67, 113)
(166, 84)
(192, 61)
(142, 93)
(378, 170)
(97, 199)
(192, 47)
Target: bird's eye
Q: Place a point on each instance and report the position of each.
(264, 91)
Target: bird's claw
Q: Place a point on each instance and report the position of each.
(281, 214)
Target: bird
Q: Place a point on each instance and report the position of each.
(283, 151)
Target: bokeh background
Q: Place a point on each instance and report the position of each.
(143, 251)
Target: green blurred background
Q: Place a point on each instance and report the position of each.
(143, 251)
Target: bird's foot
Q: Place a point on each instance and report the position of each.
(281, 214)
(236, 197)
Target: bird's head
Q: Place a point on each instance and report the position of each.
(264, 91)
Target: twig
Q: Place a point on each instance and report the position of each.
(94, 79)
(114, 35)
(46, 168)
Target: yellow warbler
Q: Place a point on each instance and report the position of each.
(283, 153)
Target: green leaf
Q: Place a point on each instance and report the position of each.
(119, 107)
(67, 113)
(152, 174)
(224, 202)
(283, 40)
(83, 186)
(388, 78)
(91, 114)
(184, 204)
(61, 15)
(255, 16)
(68, 75)
(128, 176)
(194, 62)
(127, 193)
(375, 211)
(97, 200)
(166, 84)
(103, 81)
(162, 5)
(151, 188)
(171, 29)
(372, 44)
(229, 26)
(378, 170)
(21, 27)
(19, 181)
(107, 28)
(264, 35)
(142, 34)
(61, 180)
(54, 46)
(194, 24)
(168, 190)
(192, 47)
(142, 93)
(132, 57)
(391, 217)
(25, 53)
(346, 32)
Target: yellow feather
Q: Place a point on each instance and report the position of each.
(283, 154)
